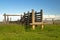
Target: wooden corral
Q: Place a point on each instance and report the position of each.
(33, 18)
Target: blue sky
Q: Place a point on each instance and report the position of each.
(50, 7)
(20, 6)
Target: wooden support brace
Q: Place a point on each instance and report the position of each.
(42, 26)
(33, 20)
(33, 27)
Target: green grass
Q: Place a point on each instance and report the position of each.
(19, 32)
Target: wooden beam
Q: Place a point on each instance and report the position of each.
(14, 15)
(33, 19)
(42, 19)
(36, 23)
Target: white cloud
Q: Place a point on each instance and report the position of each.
(1, 17)
(18, 17)
(49, 16)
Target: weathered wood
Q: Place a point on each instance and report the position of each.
(13, 15)
(33, 18)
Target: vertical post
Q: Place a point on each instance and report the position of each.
(28, 18)
(42, 18)
(4, 18)
(53, 20)
(21, 18)
(24, 18)
(10, 19)
(7, 19)
(33, 20)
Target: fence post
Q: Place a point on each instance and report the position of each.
(33, 20)
(4, 18)
(42, 18)
(7, 20)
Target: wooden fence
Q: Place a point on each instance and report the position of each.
(30, 18)
(33, 18)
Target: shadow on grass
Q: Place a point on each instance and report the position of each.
(27, 28)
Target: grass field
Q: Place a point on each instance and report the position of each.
(19, 32)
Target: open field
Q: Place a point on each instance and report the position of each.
(19, 32)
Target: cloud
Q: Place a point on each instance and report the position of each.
(1, 17)
(14, 18)
(49, 16)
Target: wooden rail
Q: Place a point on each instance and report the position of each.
(33, 18)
